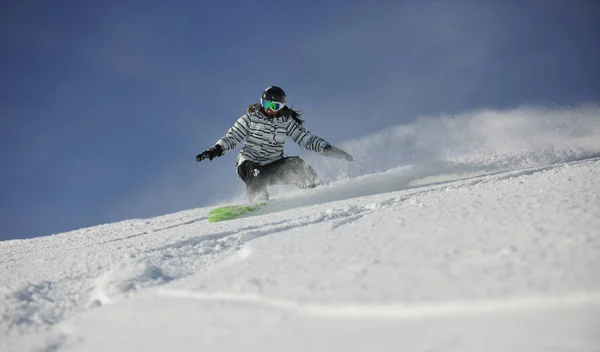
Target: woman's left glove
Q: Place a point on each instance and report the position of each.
(210, 153)
(336, 153)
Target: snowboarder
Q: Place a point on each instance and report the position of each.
(261, 162)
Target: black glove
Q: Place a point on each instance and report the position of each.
(336, 153)
(210, 153)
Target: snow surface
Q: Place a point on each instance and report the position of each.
(492, 250)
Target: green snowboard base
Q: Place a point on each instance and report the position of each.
(232, 211)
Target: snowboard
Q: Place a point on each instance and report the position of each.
(232, 211)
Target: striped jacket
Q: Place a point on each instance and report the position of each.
(265, 136)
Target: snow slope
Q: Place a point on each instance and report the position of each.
(439, 256)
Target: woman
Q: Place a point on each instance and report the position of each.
(261, 161)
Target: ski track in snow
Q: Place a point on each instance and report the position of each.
(87, 269)
(401, 311)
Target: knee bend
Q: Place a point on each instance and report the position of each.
(246, 170)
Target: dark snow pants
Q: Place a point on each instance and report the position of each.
(289, 170)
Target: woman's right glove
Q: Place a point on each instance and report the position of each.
(337, 153)
(210, 153)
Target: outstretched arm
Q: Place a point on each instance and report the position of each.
(229, 141)
(311, 142)
(305, 139)
(236, 134)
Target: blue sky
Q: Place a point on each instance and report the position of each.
(104, 105)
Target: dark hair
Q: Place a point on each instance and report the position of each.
(295, 114)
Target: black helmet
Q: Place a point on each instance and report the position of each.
(274, 93)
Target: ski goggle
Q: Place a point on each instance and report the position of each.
(273, 105)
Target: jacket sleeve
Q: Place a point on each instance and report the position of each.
(304, 138)
(236, 134)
